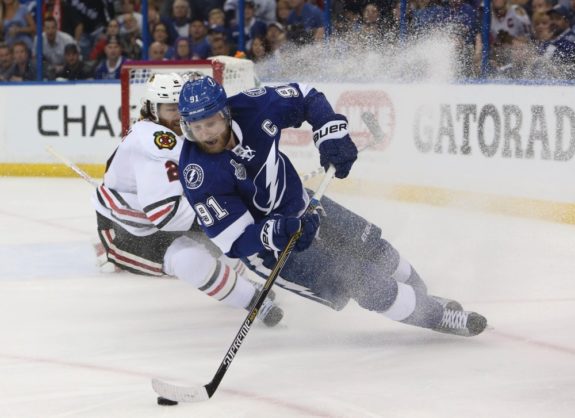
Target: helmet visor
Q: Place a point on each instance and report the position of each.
(211, 134)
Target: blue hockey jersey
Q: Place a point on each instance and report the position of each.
(236, 191)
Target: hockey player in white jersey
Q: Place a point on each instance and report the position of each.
(145, 224)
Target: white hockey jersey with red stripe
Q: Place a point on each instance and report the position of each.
(141, 190)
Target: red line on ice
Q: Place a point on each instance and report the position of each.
(535, 343)
(79, 365)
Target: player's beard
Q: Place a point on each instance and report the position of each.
(217, 144)
(175, 126)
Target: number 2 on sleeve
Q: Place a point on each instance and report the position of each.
(172, 171)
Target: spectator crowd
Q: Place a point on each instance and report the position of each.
(91, 39)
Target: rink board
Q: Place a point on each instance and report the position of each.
(508, 149)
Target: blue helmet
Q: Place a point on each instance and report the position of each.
(202, 98)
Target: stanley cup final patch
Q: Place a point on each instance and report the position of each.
(164, 140)
(239, 170)
(194, 176)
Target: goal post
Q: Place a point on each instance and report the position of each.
(234, 74)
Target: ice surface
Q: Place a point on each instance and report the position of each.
(77, 343)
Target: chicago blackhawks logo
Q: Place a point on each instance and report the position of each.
(164, 140)
(194, 176)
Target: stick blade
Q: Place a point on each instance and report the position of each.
(180, 393)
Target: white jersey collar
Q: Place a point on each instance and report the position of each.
(238, 132)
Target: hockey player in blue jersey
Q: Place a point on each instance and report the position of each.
(250, 200)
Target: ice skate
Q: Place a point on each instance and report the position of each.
(270, 313)
(448, 303)
(259, 286)
(102, 258)
(460, 322)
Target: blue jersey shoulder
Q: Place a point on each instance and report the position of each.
(284, 105)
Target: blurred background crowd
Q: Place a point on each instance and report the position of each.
(90, 39)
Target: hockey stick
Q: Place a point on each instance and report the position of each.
(171, 394)
(174, 393)
(73, 166)
(373, 125)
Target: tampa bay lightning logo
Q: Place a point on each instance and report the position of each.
(194, 176)
(270, 182)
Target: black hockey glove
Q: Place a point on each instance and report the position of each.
(335, 147)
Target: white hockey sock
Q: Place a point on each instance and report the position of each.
(404, 304)
(234, 263)
(242, 294)
(191, 262)
(403, 271)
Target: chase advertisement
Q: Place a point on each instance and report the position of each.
(508, 140)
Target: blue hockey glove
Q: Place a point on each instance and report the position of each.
(310, 225)
(335, 147)
(278, 230)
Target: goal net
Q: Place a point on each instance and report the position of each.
(235, 75)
